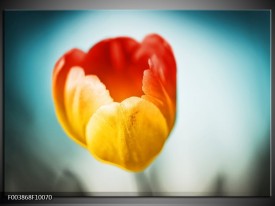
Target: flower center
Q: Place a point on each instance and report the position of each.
(122, 84)
(118, 66)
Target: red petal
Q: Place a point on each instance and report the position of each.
(112, 60)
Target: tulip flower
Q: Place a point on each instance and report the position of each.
(118, 100)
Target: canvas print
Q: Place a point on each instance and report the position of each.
(137, 103)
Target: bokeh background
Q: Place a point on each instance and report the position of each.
(220, 144)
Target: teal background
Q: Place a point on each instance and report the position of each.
(220, 144)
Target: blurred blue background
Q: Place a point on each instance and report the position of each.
(220, 144)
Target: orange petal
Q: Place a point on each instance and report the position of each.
(129, 135)
(154, 46)
(83, 96)
(159, 81)
(72, 58)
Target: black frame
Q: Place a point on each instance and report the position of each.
(142, 4)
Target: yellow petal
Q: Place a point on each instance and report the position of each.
(129, 134)
(83, 96)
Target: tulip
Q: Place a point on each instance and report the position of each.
(118, 100)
